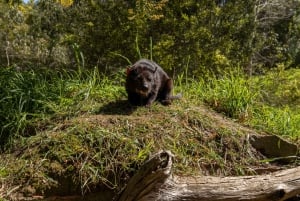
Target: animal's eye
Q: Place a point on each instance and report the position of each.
(148, 78)
(135, 72)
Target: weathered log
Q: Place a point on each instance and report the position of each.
(154, 181)
(149, 177)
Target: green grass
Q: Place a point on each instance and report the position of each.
(279, 88)
(269, 102)
(277, 108)
(281, 121)
(29, 98)
(229, 94)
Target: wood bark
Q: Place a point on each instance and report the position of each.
(155, 181)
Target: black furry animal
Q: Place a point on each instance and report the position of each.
(147, 82)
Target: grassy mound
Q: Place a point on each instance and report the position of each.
(88, 138)
(104, 150)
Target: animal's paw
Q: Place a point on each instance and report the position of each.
(166, 102)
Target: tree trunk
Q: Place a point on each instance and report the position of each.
(154, 181)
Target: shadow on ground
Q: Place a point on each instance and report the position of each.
(119, 107)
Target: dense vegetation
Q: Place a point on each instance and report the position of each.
(62, 76)
(197, 35)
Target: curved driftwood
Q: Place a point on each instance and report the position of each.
(149, 178)
(154, 181)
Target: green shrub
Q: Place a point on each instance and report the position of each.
(229, 94)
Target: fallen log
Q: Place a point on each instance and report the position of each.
(155, 181)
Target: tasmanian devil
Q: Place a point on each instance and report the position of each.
(147, 82)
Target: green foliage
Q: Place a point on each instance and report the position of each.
(213, 36)
(279, 87)
(198, 30)
(269, 103)
(30, 97)
(22, 97)
(293, 42)
(230, 93)
(278, 107)
(282, 121)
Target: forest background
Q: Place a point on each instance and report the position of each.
(193, 36)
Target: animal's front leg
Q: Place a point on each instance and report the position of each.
(151, 98)
(134, 99)
(166, 92)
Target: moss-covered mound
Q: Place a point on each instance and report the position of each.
(90, 153)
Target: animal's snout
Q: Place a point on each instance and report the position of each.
(145, 86)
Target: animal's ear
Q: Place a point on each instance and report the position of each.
(128, 70)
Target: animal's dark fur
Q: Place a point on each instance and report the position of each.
(147, 82)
